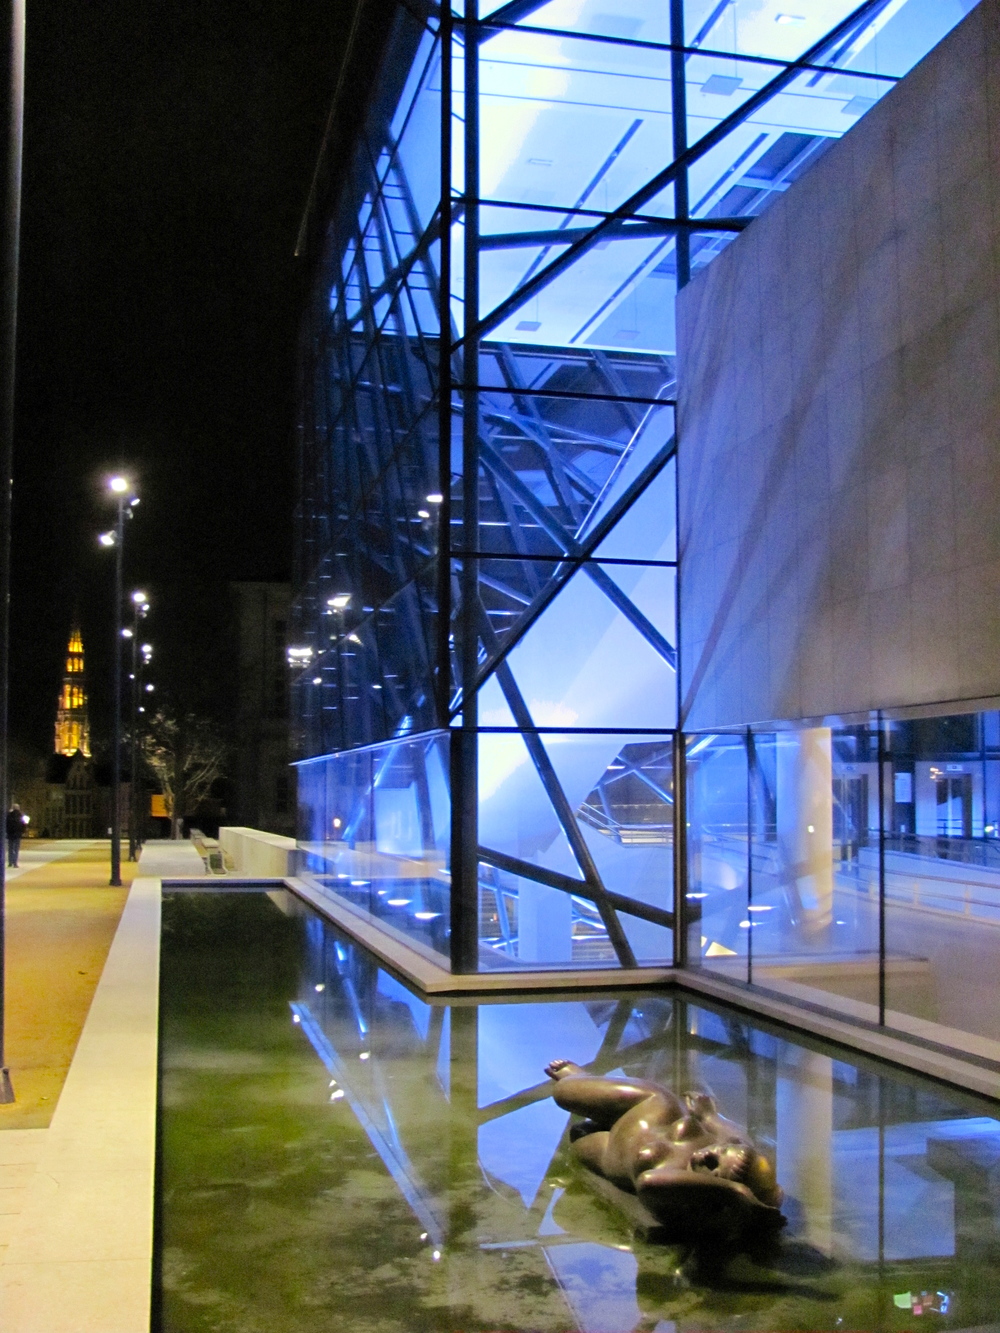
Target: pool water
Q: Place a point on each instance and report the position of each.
(336, 1154)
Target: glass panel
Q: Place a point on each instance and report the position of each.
(603, 300)
(517, 815)
(813, 900)
(643, 20)
(748, 26)
(415, 188)
(896, 36)
(652, 591)
(527, 925)
(621, 791)
(717, 848)
(651, 942)
(648, 529)
(942, 879)
(375, 829)
(569, 457)
(568, 122)
(585, 664)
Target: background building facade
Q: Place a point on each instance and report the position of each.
(485, 632)
(263, 781)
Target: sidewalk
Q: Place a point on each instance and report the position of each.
(61, 918)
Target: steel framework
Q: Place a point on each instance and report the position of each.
(485, 642)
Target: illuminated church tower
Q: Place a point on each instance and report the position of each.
(72, 724)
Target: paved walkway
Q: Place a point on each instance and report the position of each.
(35, 853)
(167, 858)
(61, 918)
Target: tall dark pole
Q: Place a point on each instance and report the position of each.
(465, 739)
(133, 806)
(678, 106)
(116, 715)
(13, 38)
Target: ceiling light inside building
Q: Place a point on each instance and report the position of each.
(721, 85)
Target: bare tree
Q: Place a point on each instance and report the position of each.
(187, 755)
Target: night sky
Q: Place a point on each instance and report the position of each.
(169, 149)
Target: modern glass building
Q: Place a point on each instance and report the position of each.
(485, 630)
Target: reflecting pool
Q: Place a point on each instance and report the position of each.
(338, 1154)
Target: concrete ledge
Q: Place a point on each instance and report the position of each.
(80, 1256)
(416, 968)
(256, 854)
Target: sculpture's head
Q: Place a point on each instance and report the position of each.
(720, 1192)
(742, 1164)
(705, 1207)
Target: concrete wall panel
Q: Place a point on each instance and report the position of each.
(839, 419)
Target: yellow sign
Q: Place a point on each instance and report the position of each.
(158, 806)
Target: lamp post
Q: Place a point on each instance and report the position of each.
(140, 607)
(12, 45)
(122, 490)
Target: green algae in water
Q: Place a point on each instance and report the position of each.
(339, 1155)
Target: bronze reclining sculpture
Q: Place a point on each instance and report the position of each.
(695, 1172)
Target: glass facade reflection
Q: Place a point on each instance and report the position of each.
(339, 1153)
(854, 864)
(486, 551)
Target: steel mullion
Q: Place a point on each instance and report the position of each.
(570, 559)
(678, 102)
(575, 210)
(577, 888)
(465, 781)
(529, 240)
(584, 397)
(442, 680)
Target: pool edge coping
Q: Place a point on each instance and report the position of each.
(80, 1259)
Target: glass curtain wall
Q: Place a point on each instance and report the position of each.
(855, 864)
(486, 554)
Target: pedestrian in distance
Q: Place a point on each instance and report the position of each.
(17, 822)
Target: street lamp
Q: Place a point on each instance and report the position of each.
(10, 229)
(140, 607)
(122, 490)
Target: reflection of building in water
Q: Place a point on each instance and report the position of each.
(877, 1170)
(72, 721)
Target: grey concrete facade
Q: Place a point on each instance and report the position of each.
(839, 419)
(264, 782)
